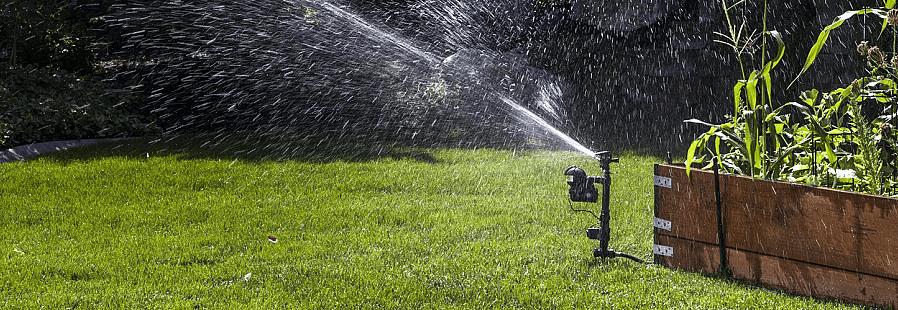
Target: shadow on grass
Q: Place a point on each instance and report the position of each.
(712, 278)
(250, 149)
(720, 279)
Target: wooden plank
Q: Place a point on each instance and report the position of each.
(788, 275)
(877, 235)
(784, 220)
(687, 204)
(816, 225)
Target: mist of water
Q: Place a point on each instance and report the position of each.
(532, 117)
(377, 33)
(526, 115)
(278, 72)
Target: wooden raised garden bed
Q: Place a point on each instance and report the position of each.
(804, 240)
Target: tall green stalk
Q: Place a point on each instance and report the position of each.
(764, 38)
(765, 92)
(733, 39)
(746, 134)
(734, 36)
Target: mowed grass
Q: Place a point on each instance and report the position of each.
(441, 228)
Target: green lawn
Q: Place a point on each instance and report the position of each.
(139, 227)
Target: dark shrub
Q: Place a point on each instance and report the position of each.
(39, 104)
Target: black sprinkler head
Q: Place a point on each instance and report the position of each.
(582, 187)
(575, 175)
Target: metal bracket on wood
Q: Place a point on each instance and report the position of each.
(663, 250)
(663, 182)
(663, 224)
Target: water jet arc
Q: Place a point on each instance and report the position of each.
(406, 46)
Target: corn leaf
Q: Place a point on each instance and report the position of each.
(690, 155)
(750, 138)
(717, 151)
(737, 98)
(783, 156)
(830, 153)
(781, 51)
(699, 122)
(751, 90)
(824, 36)
(698, 144)
(888, 4)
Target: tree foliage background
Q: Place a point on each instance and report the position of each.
(52, 86)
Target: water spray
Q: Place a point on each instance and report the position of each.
(583, 189)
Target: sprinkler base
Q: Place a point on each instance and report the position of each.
(598, 253)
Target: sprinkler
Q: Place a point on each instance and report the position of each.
(583, 189)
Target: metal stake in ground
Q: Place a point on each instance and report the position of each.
(721, 224)
(583, 189)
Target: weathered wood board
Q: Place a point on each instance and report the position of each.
(806, 240)
(784, 274)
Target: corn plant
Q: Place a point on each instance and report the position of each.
(816, 145)
(866, 158)
(756, 128)
(824, 138)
